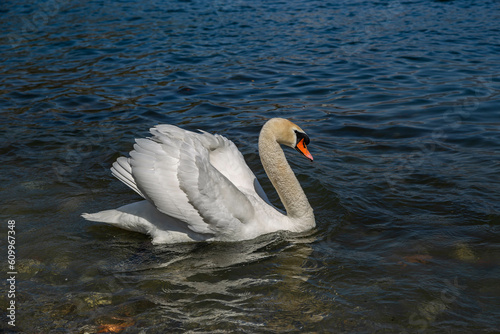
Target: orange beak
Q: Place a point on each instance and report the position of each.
(302, 148)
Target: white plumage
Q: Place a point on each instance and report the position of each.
(197, 186)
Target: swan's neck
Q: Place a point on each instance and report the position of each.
(282, 177)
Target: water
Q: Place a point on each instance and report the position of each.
(400, 100)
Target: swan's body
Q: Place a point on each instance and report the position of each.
(197, 186)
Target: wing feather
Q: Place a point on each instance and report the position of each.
(227, 159)
(193, 177)
(221, 204)
(154, 168)
(122, 171)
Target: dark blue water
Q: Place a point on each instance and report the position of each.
(400, 99)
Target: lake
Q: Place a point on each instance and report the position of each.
(400, 100)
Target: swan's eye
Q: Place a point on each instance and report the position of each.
(300, 136)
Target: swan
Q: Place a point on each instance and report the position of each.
(196, 186)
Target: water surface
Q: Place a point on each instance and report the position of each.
(400, 100)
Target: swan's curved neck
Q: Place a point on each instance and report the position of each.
(282, 177)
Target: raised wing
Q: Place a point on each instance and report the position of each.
(176, 170)
(227, 159)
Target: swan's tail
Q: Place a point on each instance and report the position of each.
(128, 217)
(142, 217)
(107, 216)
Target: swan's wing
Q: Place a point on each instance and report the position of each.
(216, 198)
(173, 170)
(122, 170)
(227, 159)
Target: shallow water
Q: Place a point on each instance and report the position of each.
(400, 100)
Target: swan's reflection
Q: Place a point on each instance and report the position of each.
(206, 284)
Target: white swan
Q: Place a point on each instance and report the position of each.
(197, 186)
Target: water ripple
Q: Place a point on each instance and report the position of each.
(400, 100)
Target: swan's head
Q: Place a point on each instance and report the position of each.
(290, 134)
